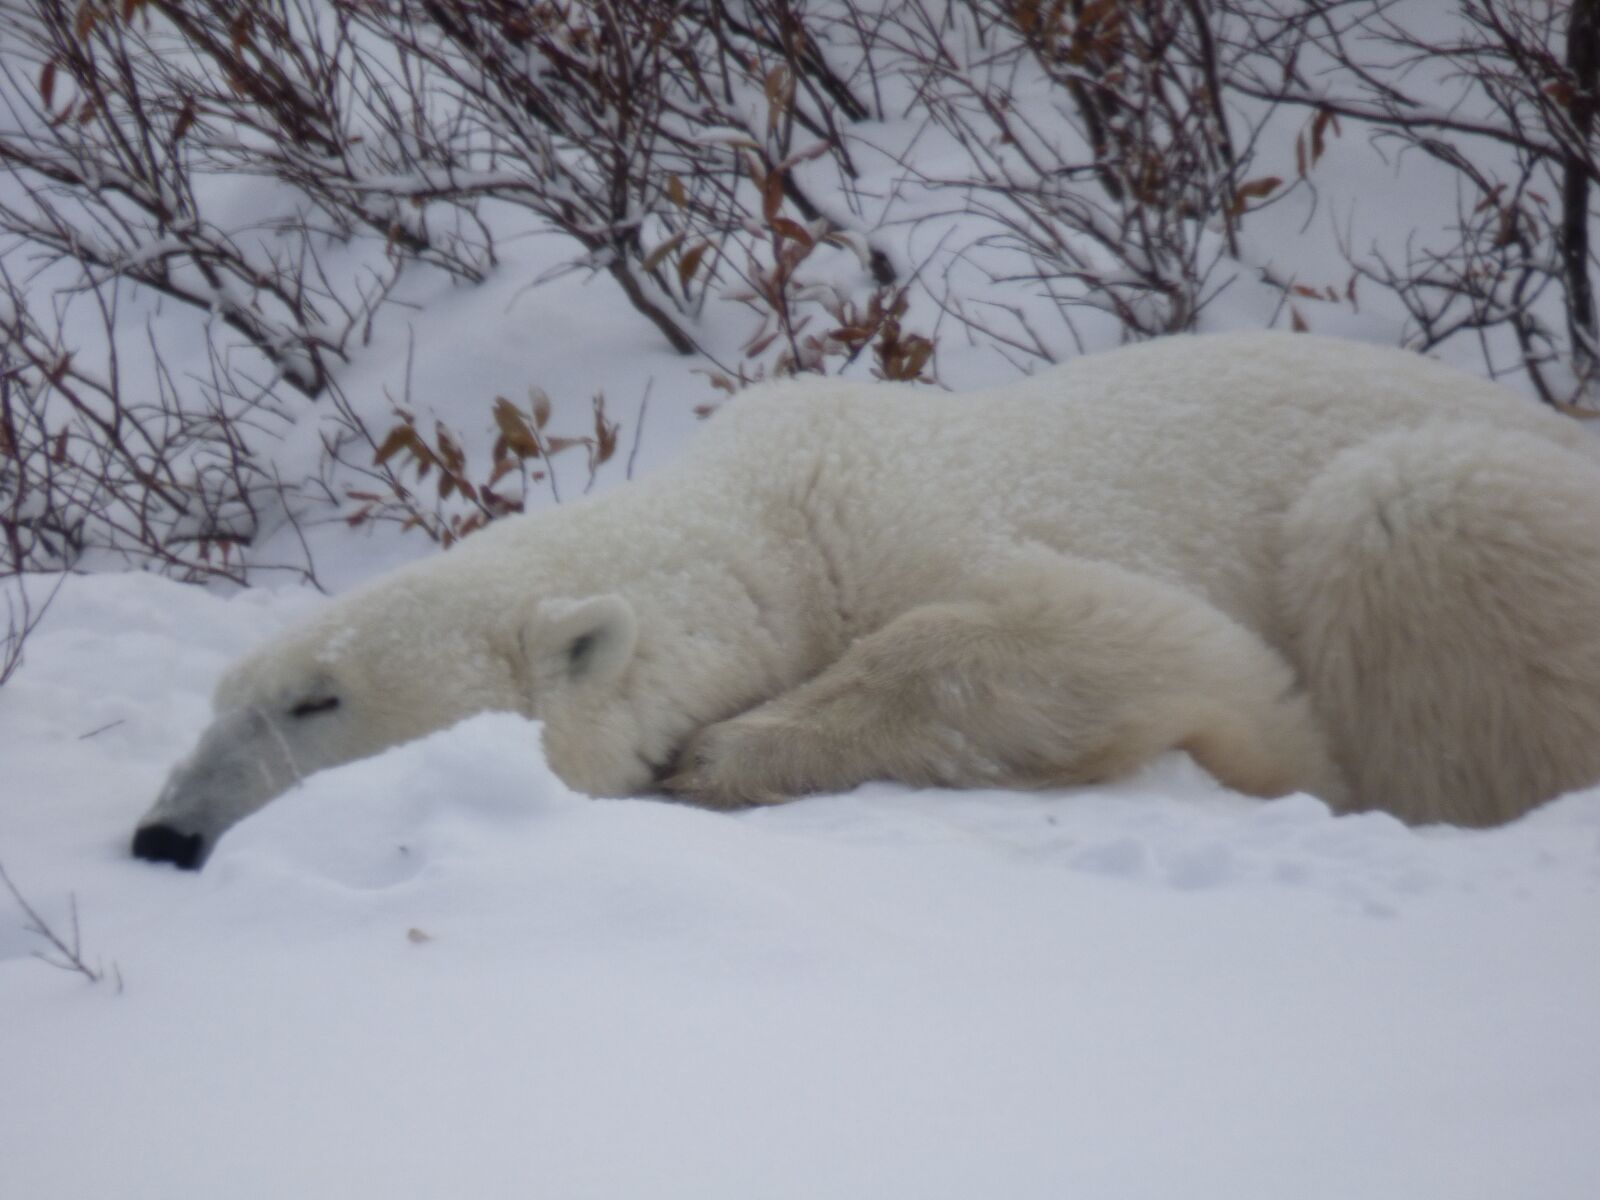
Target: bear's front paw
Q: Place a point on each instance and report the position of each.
(721, 767)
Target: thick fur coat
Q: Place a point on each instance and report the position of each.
(1313, 564)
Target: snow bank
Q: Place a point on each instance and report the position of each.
(440, 973)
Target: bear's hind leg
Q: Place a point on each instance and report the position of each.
(1444, 585)
(1049, 674)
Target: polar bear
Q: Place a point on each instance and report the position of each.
(1313, 564)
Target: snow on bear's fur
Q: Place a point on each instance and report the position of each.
(1313, 564)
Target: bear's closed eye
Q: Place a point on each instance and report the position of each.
(308, 708)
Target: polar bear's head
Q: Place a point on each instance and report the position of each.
(389, 665)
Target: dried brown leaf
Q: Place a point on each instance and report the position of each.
(655, 258)
(397, 439)
(772, 195)
(1256, 189)
(185, 119)
(690, 262)
(779, 89)
(605, 432)
(793, 230)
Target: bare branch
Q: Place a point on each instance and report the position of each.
(67, 953)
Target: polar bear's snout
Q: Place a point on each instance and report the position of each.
(163, 843)
(244, 759)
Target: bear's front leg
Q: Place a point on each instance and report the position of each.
(750, 760)
(1051, 675)
(891, 707)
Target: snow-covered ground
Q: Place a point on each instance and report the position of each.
(440, 973)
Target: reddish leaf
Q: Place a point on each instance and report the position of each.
(239, 30)
(507, 417)
(776, 83)
(1561, 92)
(185, 119)
(779, 88)
(605, 432)
(690, 262)
(772, 195)
(398, 438)
(450, 455)
(792, 230)
(1319, 124)
(656, 256)
(1256, 189)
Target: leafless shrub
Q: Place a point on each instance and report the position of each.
(22, 617)
(111, 117)
(1114, 145)
(663, 139)
(1102, 149)
(89, 474)
(1509, 106)
(108, 138)
(285, 90)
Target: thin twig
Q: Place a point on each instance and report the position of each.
(638, 425)
(71, 956)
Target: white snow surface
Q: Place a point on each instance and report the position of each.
(440, 973)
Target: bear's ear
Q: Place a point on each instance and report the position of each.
(581, 641)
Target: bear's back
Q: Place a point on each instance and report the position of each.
(1175, 457)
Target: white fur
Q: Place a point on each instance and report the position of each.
(1234, 544)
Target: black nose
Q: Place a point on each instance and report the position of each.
(162, 843)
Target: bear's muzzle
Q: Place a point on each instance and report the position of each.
(163, 843)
